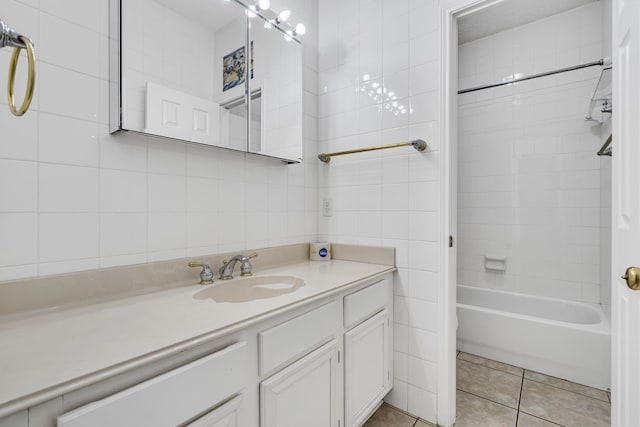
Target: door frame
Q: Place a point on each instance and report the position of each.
(450, 11)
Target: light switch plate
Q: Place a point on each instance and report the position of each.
(327, 207)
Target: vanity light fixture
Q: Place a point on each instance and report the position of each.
(283, 16)
(273, 19)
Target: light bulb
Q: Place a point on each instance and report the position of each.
(301, 29)
(284, 15)
(264, 4)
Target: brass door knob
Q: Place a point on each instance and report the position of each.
(632, 276)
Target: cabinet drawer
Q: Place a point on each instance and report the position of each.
(225, 415)
(169, 399)
(363, 304)
(295, 338)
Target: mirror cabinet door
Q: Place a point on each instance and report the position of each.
(186, 68)
(276, 93)
(183, 70)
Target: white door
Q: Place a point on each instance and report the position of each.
(625, 411)
(303, 394)
(177, 114)
(366, 369)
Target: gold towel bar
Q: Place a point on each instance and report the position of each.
(418, 144)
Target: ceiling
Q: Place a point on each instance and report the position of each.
(508, 14)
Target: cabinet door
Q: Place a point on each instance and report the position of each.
(367, 356)
(304, 393)
(224, 416)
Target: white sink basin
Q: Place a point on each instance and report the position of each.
(250, 288)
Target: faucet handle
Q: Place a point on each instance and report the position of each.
(206, 275)
(246, 269)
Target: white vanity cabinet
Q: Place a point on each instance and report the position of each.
(324, 363)
(304, 353)
(305, 393)
(368, 350)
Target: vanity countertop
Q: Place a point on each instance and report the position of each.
(54, 351)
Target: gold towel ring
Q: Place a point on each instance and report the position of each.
(31, 80)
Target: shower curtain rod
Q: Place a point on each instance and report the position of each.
(603, 61)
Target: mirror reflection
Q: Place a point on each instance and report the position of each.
(187, 75)
(278, 77)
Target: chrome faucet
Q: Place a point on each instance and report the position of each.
(226, 271)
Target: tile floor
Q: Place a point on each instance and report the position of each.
(388, 416)
(493, 394)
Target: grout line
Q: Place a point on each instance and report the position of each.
(520, 398)
(460, 353)
(569, 391)
(487, 399)
(543, 419)
(397, 410)
(494, 369)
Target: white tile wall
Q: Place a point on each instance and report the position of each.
(529, 179)
(390, 197)
(74, 197)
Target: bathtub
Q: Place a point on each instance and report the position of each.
(564, 339)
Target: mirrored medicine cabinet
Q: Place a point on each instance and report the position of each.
(208, 72)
